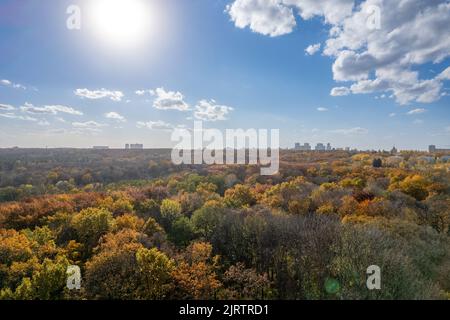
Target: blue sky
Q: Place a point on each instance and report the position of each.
(230, 67)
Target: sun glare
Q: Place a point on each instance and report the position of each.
(121, 22)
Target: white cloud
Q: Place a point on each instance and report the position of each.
(6, 107)
(351, 131)
(268, 17)
(312, 49)
(276, 17)
(142, 92)
(211, 111)
(8, 83)
(411, 33)
(115, 116)
(52, 109)
(168, 100)
(417, 111)
(322, 109)
(333, 11)
(340, 91)
(88, 125)
(444, 75)
(154, 125)
(11, 115)
(99, 94)
(392, 114)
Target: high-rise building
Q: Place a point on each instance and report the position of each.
(305, 147)
(132, 146)
(320, 147)
(432, 148)
(136, 146)
(328, 146)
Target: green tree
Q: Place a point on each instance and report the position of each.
(90, 224)
(170, 211)
(155, 268)
(182, 231)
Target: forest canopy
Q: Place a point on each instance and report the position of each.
(140, 227)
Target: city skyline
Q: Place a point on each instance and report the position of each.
(291, 67)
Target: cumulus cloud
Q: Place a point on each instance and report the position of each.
(351, 131)
(322, 109)
(154, 125)
(333, 11)
(411, 33)
(168, 100)
(276, 17)
(340, 91)
(268, 17)
(115, 116)
(99, 94)
(376, 58)
(313, 49)
(210, 111)
(417, 111)
(51, 109)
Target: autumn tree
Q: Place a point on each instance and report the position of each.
(90, 224)
(155, 269)
(170, 211)
(242, 283)
(195, 274)
(239, 196)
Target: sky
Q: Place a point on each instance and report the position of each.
(368, 74)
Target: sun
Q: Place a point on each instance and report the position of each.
(121, 22)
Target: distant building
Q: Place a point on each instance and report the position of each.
(432, 149)
(305, 147)
(100, 147)
(394, 150)
(328, 146)
(136, 146)
(347, 148)
(320, 147)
